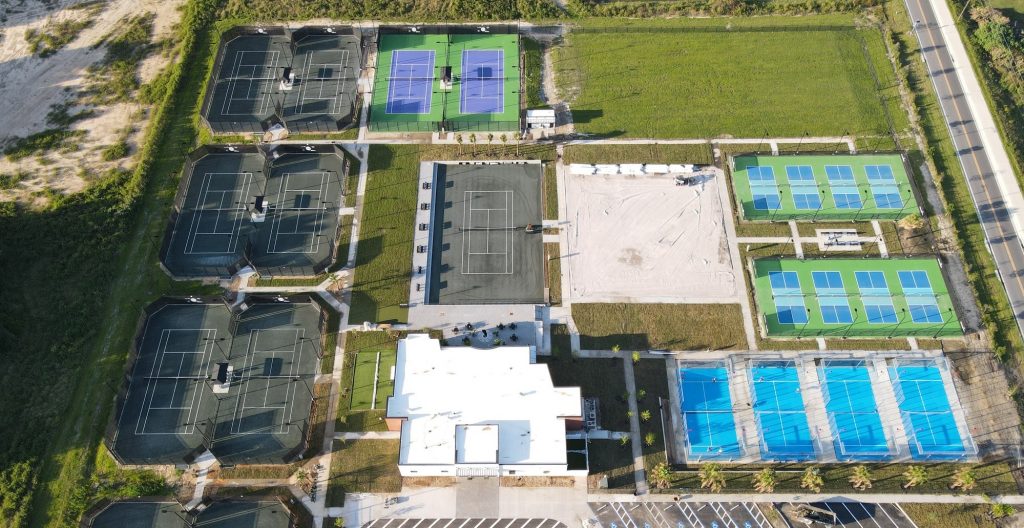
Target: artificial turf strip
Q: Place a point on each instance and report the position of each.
(705, 80)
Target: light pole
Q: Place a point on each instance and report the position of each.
(853, 322)
(898, 322)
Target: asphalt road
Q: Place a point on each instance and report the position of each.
(1002, 238)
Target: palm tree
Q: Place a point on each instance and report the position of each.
(472, 139)
(504, 142)
(458, 139)
(1000, 510)
(861, 478)
(339, 522)
(660, 477)
(616, 348)
(630, 415)
(624, 440)
(645, 415)
(490, 138)
(915, 476)
(711, 477)
(636, 357)
(765, 480)
(964, 479)
(649, 439)
(811, 480)
(641, 394)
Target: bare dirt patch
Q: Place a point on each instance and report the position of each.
(35, 84)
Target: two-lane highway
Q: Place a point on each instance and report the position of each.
(995, 192)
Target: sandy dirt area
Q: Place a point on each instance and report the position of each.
(645, 239)
(33, 85)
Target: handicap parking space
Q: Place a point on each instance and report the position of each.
(679, 515)
(855, 514)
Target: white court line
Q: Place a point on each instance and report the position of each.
(318, 213)
(507, 235)
(241, 404)
(210, 335)
(310, 65)
(238, 196)
(233, 81)
(425, 97)
(480, 80)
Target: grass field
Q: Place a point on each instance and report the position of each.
(600, 378)
(369, 466)
(660, 326)
(944, 515)
(648, 153)
(675, 84)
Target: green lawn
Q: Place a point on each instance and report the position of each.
(660, 84)
(369, 466)
(600, 378)
(945, 515)
(385, 379)
(364, 380)
(648, 153)
(660, 326)
(554, 273)
(609, 458)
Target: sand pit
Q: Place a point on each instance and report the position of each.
(645, 239)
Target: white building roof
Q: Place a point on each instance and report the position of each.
(509, 404)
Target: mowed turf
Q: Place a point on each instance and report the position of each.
(747, 81)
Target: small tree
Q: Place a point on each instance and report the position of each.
(339, 522)
(964, 479)
(861, 478)
(490, 138)
(624, 440)
(711, 477)
(765, 480)
(636, 357)
(660, 477)
(504, 142)
(458, 139)
(914, 476)
(645, 415)
(630, 415)
(641, 394)
(649, 439)
(472, 139)
(811, 480)
(616, 348)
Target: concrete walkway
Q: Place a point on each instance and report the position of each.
(369, 435)
(634, 426)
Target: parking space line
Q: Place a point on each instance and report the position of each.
(866, 513)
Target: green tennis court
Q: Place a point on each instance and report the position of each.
(822, 187)
(456, 82)
(854, 298)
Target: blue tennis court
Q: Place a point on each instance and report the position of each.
(483, 82)
(409, 89)
(779, 409)
(926, 411)
(707, 412)
(852, 411)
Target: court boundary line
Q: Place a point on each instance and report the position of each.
(305, 81)
(150, 391)
(233, 78)
(500, 98)
(288, 407)
(319, 214)
(509, 234)
(428, 96)
(198, 211)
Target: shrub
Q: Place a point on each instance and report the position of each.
(116, 151)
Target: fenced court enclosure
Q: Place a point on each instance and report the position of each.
(853, 298)
(452, 79)
(157, 513)
(822, 187)
(880, 407)
(275, 210)
(486, 243)
(304, 80)
(237, 382)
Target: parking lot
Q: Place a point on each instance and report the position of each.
(856, 514)
(679, 515)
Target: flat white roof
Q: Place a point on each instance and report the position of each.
(440, 390)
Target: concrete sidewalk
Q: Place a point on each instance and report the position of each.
(807, 497)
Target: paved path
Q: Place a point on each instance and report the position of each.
(809, 497)
(634, 427)
(369, 435)
(994, 188)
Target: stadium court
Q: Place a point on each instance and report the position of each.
(238, 384)
(486, 243)
(247, 93)
(220, 224)
(822, 187)
(169, 514)
(853, 298)
(483, 69)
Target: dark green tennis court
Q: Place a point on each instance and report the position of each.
(305, 80)
(221, 514)
(275, 211)
(483, 250)
(238, 384)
